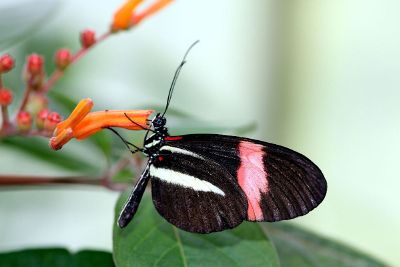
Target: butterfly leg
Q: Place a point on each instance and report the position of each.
(127, 144)
(134, 199)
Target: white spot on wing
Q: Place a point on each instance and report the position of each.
(180, 151)
(185, 180)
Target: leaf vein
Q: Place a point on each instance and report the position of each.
(146, 235)
(179, 241)
(162, 255)
(221, 251)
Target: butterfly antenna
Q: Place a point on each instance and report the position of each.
(137, 124)
(178, 70)
(127, 143)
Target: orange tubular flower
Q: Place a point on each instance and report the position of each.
(81, 123)
(155, 7)
(126, 17)
(122, 18)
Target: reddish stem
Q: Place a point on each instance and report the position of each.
(5, 118)
(25, 99)
(57, 74)
(104, 180)
(4, 112)
(11, 180)
(30, 180)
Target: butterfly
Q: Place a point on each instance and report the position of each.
(205, 183)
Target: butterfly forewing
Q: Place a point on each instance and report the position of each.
(278, 183)
(194, 193)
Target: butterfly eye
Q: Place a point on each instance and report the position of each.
(159, 122)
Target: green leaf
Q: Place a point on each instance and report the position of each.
(39, 148)
(55, 257)
(93, 258)
(23, 17)
(300, 248)
(149, 240)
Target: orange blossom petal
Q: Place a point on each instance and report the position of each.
(122, 17)
(81, 110)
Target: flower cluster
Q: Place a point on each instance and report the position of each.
(33, 111)
(33, 116)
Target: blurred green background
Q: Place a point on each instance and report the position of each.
(320, 77)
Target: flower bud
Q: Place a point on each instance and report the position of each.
(88, 38)
(34, 64)
(24, 121)
(63, 58)
(36, 102)
(53, 118)
(57, 142)
(6, 97)
(41, 117)
(6, 63)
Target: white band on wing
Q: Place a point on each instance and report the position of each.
(180, 151)
(185, 180)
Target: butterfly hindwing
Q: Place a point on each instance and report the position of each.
(278, 183)
(194, 193)
(297, 185)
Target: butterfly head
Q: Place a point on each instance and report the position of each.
(159, 122)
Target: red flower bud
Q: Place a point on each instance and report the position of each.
(24, 121)
(53, 118)
(34, 64)
(63, 58)
(6, 63)
(41, 118)
(88, 38)
(6, 97)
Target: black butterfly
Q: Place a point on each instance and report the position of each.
(206, 183)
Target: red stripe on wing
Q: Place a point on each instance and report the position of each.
(252, 177)
(173, 138)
